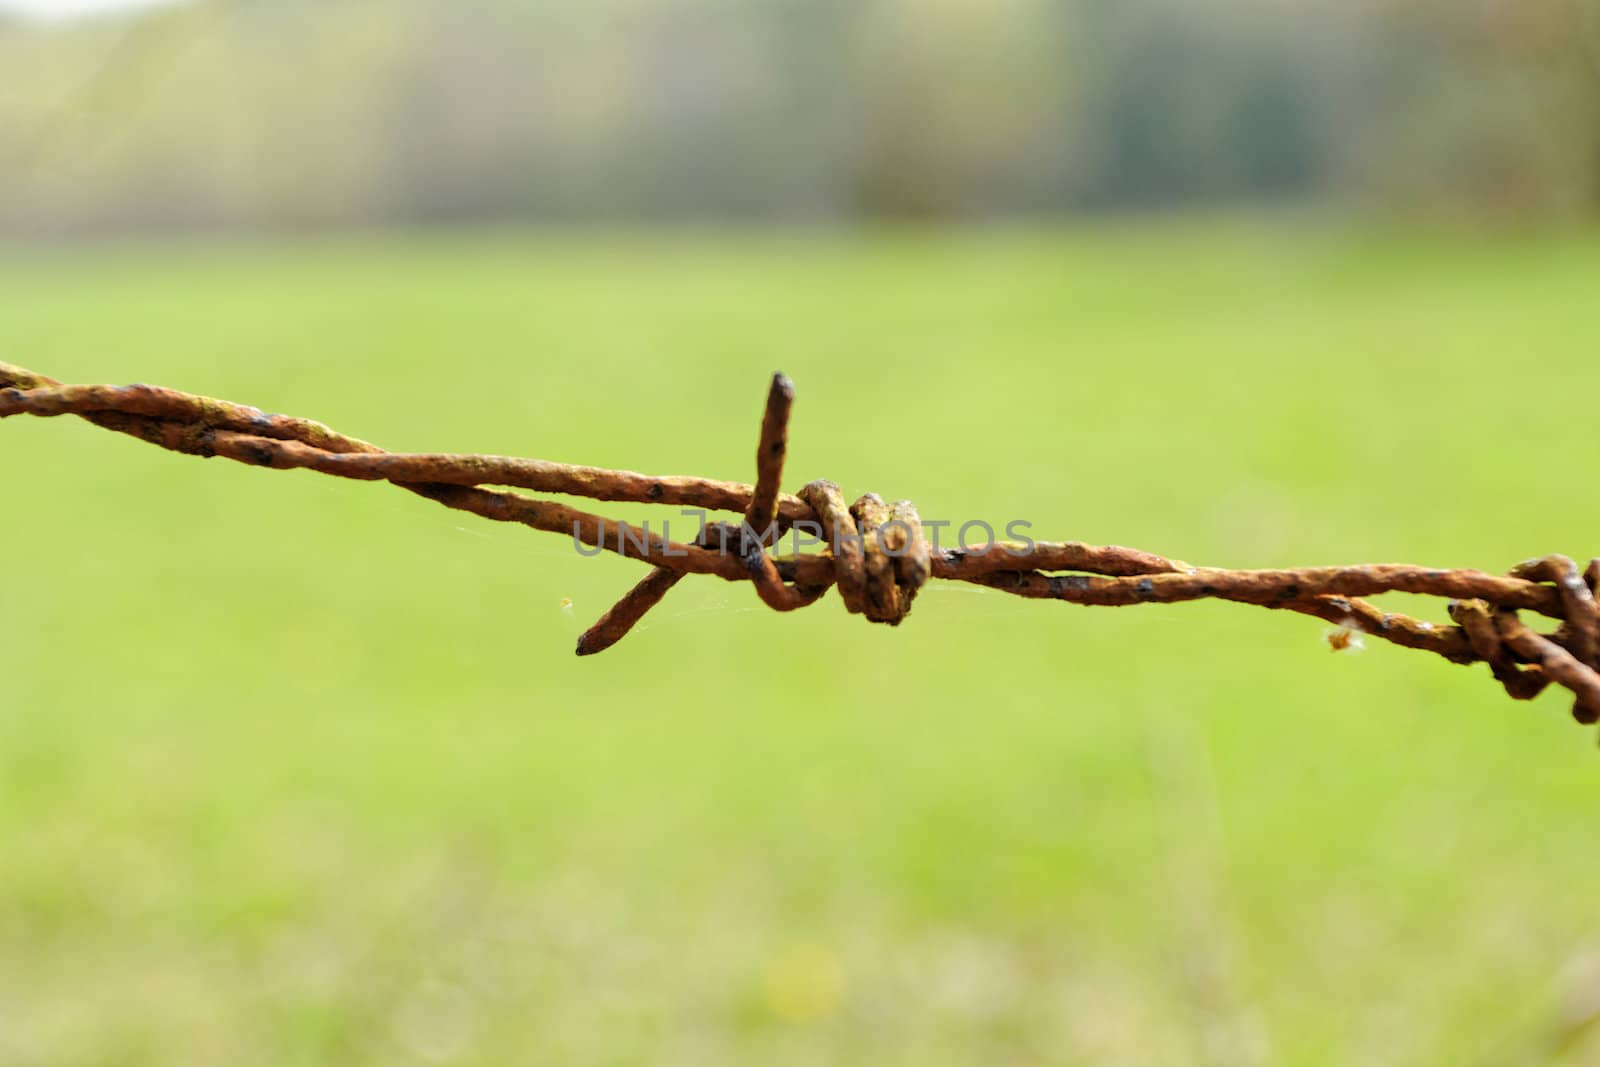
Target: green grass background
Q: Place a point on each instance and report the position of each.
(295, 771)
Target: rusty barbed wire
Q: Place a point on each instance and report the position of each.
(874, 552)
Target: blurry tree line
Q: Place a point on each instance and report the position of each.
(286, 113)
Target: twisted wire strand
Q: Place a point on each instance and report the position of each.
(875, 552)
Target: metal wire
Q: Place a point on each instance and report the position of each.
(874, 552)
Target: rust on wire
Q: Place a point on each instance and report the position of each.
(876, 553)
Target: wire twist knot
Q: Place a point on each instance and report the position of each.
(880, 558)
(1525, 662)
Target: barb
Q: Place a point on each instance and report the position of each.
(876, 553)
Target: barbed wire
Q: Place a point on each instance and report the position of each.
(876, 553)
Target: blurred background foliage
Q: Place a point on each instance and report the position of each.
(299, 113)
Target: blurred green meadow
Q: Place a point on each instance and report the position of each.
(298, 771)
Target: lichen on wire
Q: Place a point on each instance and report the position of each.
(873, 551)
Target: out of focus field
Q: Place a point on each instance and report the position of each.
(298, 771)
